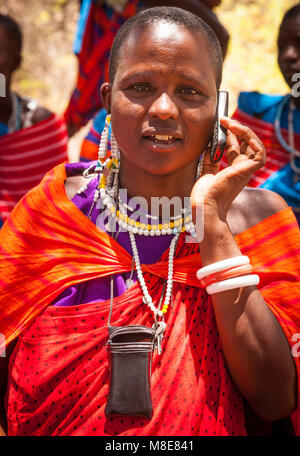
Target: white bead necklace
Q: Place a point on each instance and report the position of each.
(130, 226)
(288, 147)
(147, 298)
(125, 207)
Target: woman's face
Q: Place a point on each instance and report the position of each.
(289, 48)
(163, 98)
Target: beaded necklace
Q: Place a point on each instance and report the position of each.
(180, 223)
(288, 147)
(107, 190)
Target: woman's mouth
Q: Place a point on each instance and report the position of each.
(161, 143)
(162, 139)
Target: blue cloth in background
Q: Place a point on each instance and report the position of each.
(3, 129)
(82, 20)
(265, 107)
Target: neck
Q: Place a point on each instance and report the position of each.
(142, 184)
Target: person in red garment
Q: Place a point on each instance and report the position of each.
(226, 304)
(276, 119)
(32, 139)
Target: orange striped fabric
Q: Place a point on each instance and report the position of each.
(44, 250)
(26, 156)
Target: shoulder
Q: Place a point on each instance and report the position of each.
(252, 206)
(255, 102)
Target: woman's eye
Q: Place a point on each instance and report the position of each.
(189, 91)
(140, 87)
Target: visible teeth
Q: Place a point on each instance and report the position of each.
(163, 137)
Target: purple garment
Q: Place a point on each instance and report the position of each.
(150, 250)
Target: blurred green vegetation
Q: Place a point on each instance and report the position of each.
(49, 67)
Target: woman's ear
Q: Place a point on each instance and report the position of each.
(105, 94)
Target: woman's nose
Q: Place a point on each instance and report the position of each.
(164, 108)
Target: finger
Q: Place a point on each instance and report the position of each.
(241, 131)
(233, 147)
(257, 148)
(251, 145)
(243, 147)
(207, 166)
(254, 156)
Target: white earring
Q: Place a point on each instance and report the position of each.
(102, 153)
(115, 153)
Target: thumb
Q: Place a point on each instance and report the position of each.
(207, 166)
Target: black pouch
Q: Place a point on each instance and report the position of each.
(130, 353)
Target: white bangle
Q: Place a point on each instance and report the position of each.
(222, 265)
(231, 284)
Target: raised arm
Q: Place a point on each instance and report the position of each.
(255, 347)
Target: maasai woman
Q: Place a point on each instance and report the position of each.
(217, 279)
(32, 139)
(276, 119)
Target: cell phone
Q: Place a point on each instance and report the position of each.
(219, 136)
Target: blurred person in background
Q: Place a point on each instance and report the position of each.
(32, 139)
(98, 23)
(276, 119)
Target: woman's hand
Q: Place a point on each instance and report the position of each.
(216, 190)
(255, 348)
